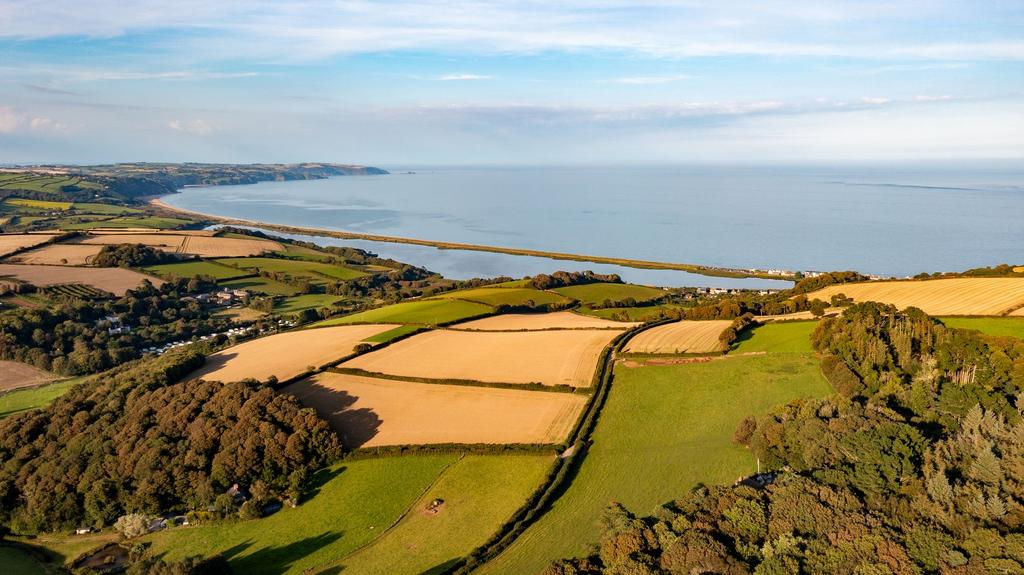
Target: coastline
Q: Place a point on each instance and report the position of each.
(641, 264)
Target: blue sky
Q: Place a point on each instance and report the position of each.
(519, 82)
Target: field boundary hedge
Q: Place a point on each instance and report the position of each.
(463, 448)
(561, 388)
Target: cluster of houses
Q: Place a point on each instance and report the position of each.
(223, 297)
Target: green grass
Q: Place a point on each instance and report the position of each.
(356, 502)
(392, 334)
(260, 285)
(43, 182)
(479, 492)
(37, 204)
(777, 337)
(144, 222)
(504, 296)
(104, 209)
(597, 294)
(663, 430)
(16, 562)
(33, 397)
(193, 268)
(298, 303)
(1003, 326)
(316, 271)
(641, 313)
(423, 312)
(302, 252)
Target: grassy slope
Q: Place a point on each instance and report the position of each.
(193, 268)
(34, 397)
(312, 269)
(362, 499)
(259, 285)
(597, 293)
(429, 312)
(16, 562)
(641, 313)
(392, 334)
(479, 493)
(307, 301)
(777, 337)
(504, 296)
(1005, 326)
(663, 430)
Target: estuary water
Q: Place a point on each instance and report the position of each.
(891, 221)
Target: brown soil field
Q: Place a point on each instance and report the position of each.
(949, 296)
(680, 337)
(286, 355)
(204, 246)
(539, 321)
(58, 254)
(15, 375)
(14, 242)
(560, 357)
(114, 280)
(369, 412)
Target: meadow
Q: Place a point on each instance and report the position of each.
(17, 562)
(599, 293)
(495, 296)
(297, 303)
(316, 271)
(680, 337)
(421, 312)
(154, 222)
(34, 397)
(194, 268)
(663, 430)
(948, 296)
(258, 285)
(776, 337)
(1002, 326)
(635, 313)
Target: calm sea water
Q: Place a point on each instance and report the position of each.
(889, 221)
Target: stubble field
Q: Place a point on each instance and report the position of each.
(680, 337)
(949, 296)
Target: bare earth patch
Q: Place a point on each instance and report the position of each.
(59, 254)
(199, 245)
(563, 357)
(949, 296)
(13, 242)
(680, 337)
(539, 321)
(114, 280)
(286, 355)
(15, 375)
(370, 412)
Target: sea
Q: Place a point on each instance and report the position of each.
(891, 221)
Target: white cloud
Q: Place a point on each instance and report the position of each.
(9, 120)
(460, 77)
(13, 120)
(874, 100)
(646, 80)
(195, 127)
(928, 98)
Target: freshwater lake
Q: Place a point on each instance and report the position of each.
(893, 221)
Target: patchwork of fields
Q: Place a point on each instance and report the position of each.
(949, 296)
(13, 242)
(680, 337)
(114, 280)
(198, 245)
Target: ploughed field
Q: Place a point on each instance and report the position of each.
(114, 280)
(371, 412)
(680, 337)
(947, 296)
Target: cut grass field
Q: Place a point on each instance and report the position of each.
(597, 294)
(285, 355)
(422, 312)
(776, 337)
(1001, 326)
(317, 271)
(949, 296)
(538, 321)
(33, 397)
(370, 412)
(680, 337)
(114, 280)
(555, 357)
(664, 430)
(194, 268)
(495, 296)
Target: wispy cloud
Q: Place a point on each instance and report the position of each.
(14, 120)
(194, 127)
(463, 77)
(874, 100)
(647, 80)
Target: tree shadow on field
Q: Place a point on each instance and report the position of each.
(321, 478)
(279, 558)
(355, 426)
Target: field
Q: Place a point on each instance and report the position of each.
(285, 355)
(80, 291)
(638, 313)
(664, 430)
(786, 337)
(950, 296)
(149, 222)
(558, 357)
(369, 412)
(1002, 326)
(33, 397)
(505, 296)
(373, 504)
(537, 321)
(425, 312)
(16, 562)
(13, 242)
(298, 303)
(43, 182)
(58, 255)
(239, 314)
(599, 293)
(680, 337)
(194, 268)
(114, 280)
(14, 375)
(203, 246)
(393, 333)
(259, 285)
(317, 271)
(36, 204)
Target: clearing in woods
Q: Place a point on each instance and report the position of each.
(285, 355)
(114, 280)
(371, 412)
(680, 337)
(540, 321)
(948, 296)
(555, 357)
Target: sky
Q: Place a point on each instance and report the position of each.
(519, 82)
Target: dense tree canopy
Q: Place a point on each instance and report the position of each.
(130, 255)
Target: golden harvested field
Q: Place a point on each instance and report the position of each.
(151, 232)
(15, 375)
(950, 296)
(114, 280)
(680, 337)
(204, 246)
(1019, 312)
(286, 355)
(538, 321)
(800, 315)
(560, 357)
(370, 412)
(14, 242)
(59, 254)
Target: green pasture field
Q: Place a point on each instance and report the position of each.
(392, 334)
(597, 294)
(777, 337)
(639, 313)
(156, 223)
(422, 312)
(664, 430)
(479, 493)
(43, 182)
(192, 268)
(16, 562)
(297, 303)
(34, 397)
(260, 285)
(504, 296)
(36, 204)
(1004, 326)
(314, 270)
